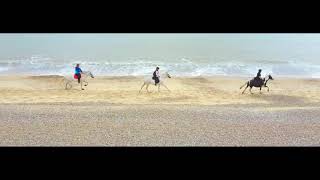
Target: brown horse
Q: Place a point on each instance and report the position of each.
(257, 82)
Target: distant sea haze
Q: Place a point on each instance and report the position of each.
(196, 54)
(41, 65)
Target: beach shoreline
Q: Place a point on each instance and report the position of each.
(199, 111)
(213, 90)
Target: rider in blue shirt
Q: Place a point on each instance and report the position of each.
(78, 72)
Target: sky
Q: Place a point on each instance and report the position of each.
(162, 46)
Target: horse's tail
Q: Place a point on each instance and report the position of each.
(244, 84)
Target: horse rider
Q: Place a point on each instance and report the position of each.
(258, 77)
(77, 74)
(156, 76)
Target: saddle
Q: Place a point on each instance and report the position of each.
(75, 76)
(258, 80)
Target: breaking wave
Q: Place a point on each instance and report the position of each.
(183, 67)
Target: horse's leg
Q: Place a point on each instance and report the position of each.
(68, 83)
(260, 89)
(267, 87)
(81, 85)
(142, 86)
(250, 89)
(244, 85)
(245, 88)
(86, 83)
(165, 87)
(159, 87)
(66, 86)
(147, 87)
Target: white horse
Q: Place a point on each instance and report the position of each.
(149, 80)
(69, 81)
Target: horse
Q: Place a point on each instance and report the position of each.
(257, 83)
(84, 75)
(149, 80)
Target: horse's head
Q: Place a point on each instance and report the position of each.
(91, 75)
(168, 75)
(270, 77)
(88, 73)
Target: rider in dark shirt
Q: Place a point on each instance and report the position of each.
(156, 76)
(258, 77)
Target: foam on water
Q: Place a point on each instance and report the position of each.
(38, 65)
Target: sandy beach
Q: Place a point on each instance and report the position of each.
(198, 111)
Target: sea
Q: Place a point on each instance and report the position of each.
(189, 56)
(38, 65)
